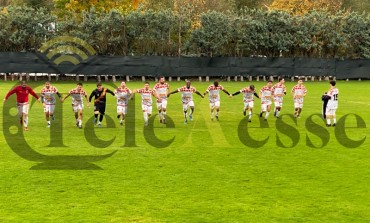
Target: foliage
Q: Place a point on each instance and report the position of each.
(24, 28)
(301, 7)
(174, 32)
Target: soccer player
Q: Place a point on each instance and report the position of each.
(48, 93)
(123, 94)
(99, 95)
(332, 105)
(187, 99)
(298, 92)
(278, 90)
(146, 100)
(162, 88)
(248, 93)
(22, 91)
(265, 95)
(77, 95)
(214, 98)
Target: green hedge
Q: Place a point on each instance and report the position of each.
(166, 33)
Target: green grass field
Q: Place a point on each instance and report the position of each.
(210, 172)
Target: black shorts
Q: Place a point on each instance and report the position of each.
(100, 107)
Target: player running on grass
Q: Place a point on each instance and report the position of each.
(266, 95)
(123, 94)
(162, 88)
(146, 100)
(77, 94)
(278, 91)
(248, 93)
(187, 99)
(48, 93)
(214, 98)
(332, 105)
(100, 98)
(22, 91)
(298, 92)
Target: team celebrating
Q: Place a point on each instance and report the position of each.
(161, 92)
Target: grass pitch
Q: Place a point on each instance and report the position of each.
(205, 171)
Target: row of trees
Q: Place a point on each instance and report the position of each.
(173, 32)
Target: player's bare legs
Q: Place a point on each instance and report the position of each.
(186, 119)
(47, 117)
(268, 109)
(191, 113)
(146, 117)
(217, 111)
(164, 114)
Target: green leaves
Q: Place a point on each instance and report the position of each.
(168, 32)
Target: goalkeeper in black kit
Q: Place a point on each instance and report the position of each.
(99, 102)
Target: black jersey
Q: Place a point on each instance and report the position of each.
(100, 96)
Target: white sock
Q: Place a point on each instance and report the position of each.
(267, 115)
(328, 121)
(334, 120)
(145, 116)
(250, 115)
(164, 115)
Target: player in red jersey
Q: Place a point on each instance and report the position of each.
(48, 93)
(266, 95)
(187, 99)
(214, 97)
(22, 91)
(298, 92)
(248, 93)
(146, 100)
(77, 95)
(278, 91)
(162, 88)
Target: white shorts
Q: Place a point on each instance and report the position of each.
(122, 109)
(265, 104)
(22, 108)
(331, 111)
(249, 104)
(278, 101)
(185, 105)
(298, 103)
(49, 108)
(147, 108)
(214, 104)
(77, 107)
(162, 104)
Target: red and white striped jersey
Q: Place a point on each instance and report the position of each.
(278, 90)
(299, 90)
(187, 93)
(247, 94)
(77, 96)
(122, 94)
(266, 93)
(162, 89)
(146, 96)
(214, 92)
(49, 95)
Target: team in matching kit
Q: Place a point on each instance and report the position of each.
(161, 92)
